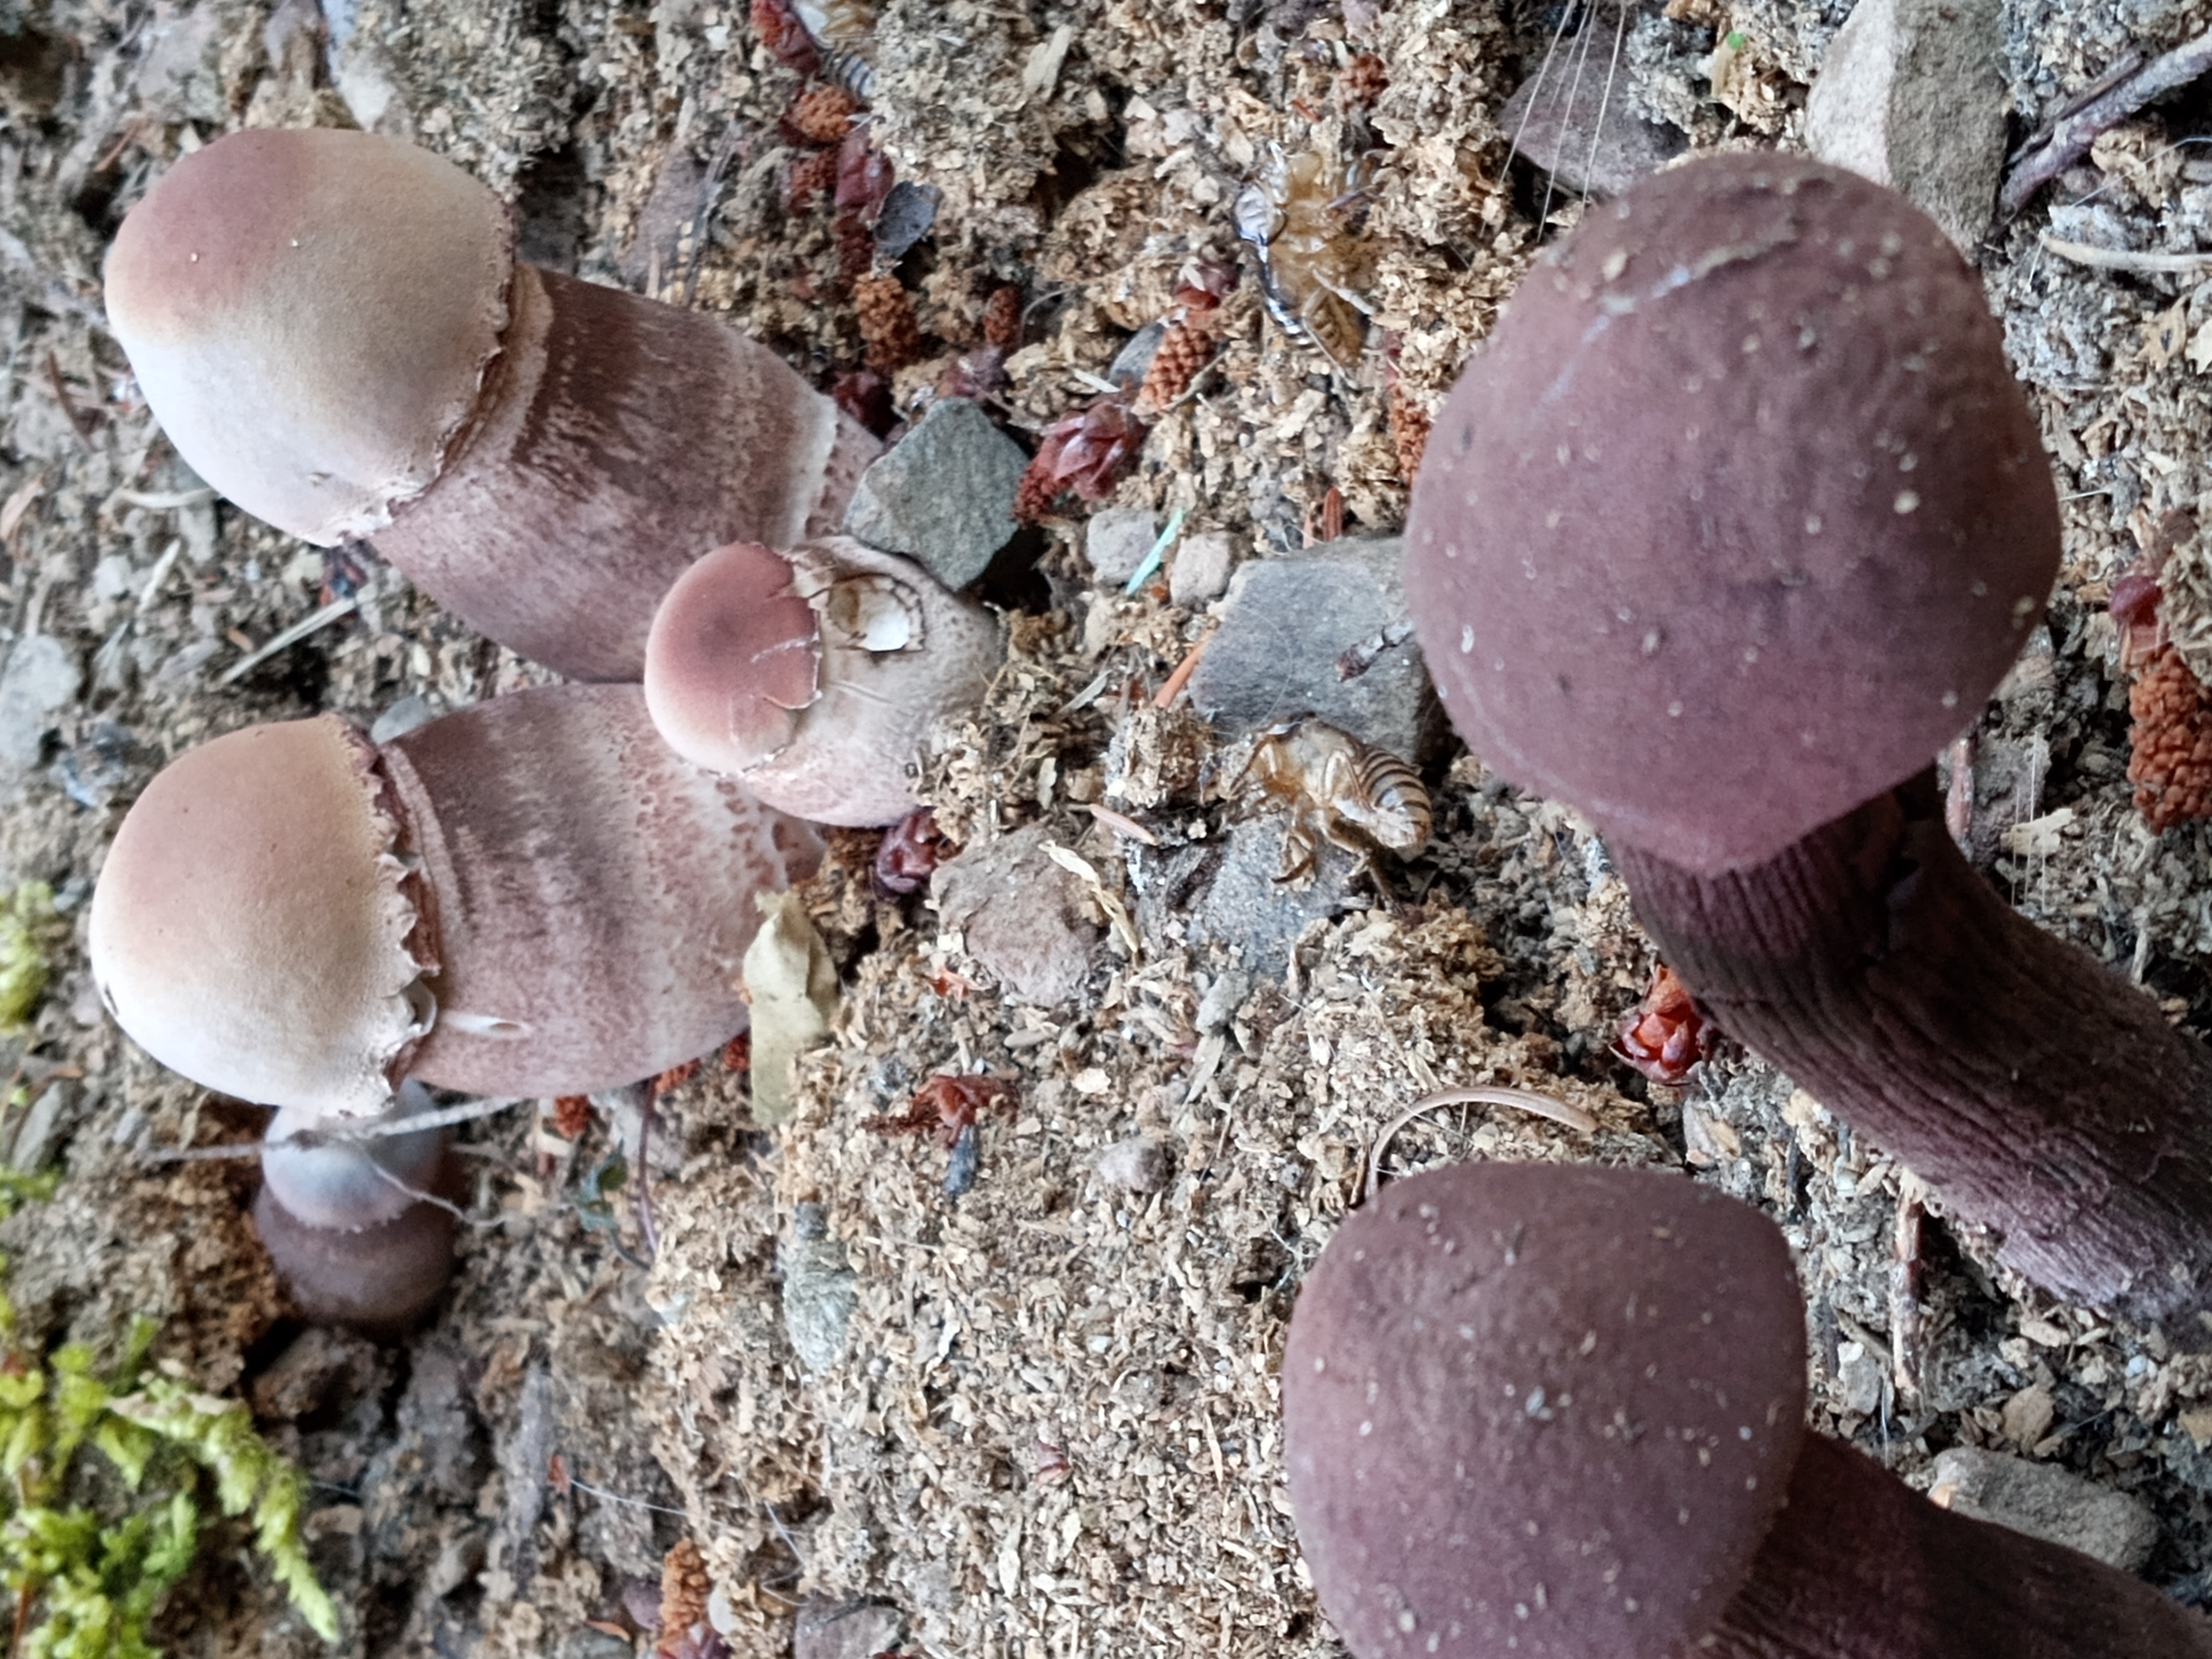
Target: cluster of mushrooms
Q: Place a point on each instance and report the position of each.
(1734, 521)
(550, 893)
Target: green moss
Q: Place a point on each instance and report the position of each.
(29, 928)
(90, 1582)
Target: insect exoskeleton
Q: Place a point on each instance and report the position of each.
(1338, 789)
(1300, 217)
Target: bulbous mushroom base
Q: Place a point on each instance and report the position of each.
(379, 1280)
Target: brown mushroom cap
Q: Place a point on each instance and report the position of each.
(310, 314)
(880, 648)
(731, 658)
(250, 928)
(1738, 515)
(1542, 1410)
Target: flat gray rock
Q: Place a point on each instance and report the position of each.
(818, 1297)
(1594, 144)
(1225, 892)
(39, 680)
(1118, 539)
(943, 495)
(1200, 569)
(1910, 95)
(1022, 915)
(2047, 1502)
(1285, 627)
(847, 1630)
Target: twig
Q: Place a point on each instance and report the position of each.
(314, 623)
(2120, 259)
(1172, 688)
(1122, 825)
(1528, 1100)
(646, 1234)
(2072, 134)
(1906, 1270)
(310, 1139)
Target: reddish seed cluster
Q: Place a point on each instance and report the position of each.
(1409, 427)
(891, 336)
(1665, 1036)
(944, 1105)
(1002, 317)
(1084, 451)
(909, 853)
(572, 1115)
(810, 176)
(675, 1077)
(737, 1052)
(684, 1587)
(2172, 738)
(821, 115)
(1185, 349)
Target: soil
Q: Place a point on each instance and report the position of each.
(1038, 1416)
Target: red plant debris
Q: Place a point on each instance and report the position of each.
(909, 853)
(777, 25)
(1665, 1036)
(1084, 451)
(866, 397)
(2171, 738)
(675, 1077)
(864, 178)
(1362, 81)
(946, 1105)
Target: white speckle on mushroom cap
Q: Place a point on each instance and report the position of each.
(250, 929)
(310, 315)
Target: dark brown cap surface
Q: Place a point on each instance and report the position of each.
(1541, 1409)
(1738, 515)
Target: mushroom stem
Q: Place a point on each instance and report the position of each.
(2040, 1093)
(1919, 1582)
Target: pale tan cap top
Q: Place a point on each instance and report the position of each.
(249, 929)
(310, 314)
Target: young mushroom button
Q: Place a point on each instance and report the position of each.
(1559, 1411)
(813, 677)
(333, 329)
(1735, 520)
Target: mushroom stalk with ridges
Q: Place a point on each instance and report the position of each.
(333, 329)
(813, 677)
(1558, 1412)
(1734, 522)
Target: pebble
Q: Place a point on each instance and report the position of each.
(1022, 915)
(818, 1294)
(1910, 95)
(1118, 540)
(1287, 622)
(1227, 894)
(847, 1630)
(41, 677)
(943, 495)
(1556, 137)
(1201, 568)
(2047, 1502)
(1136, 1164)
(51, 1117)
(410, 714)
(1218, 1005)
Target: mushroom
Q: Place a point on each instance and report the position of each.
(529, 896)
(353, 1227)
(1736, 519)
(812, 676)
(333, 329)
(1559, 1411)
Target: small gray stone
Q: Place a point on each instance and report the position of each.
(2047, 1502)
(906, 216)
(818, 1294)
(943, 495)
(586, 1643)
(1022, 916)
(1226, 892)
(1201, 567)
(1553, 123)
(41, 677)
(1136, 1164)
(847, 1630)
(1286, 623)
(44, 1127)
(1910, 95)
(1117, 540)
(1223, 999)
